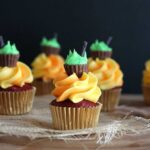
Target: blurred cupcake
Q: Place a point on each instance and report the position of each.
(77, 93)
(146, 83)
(107, 70)
(16, 90)
(47, 66)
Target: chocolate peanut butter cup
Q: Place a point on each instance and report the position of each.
(75, 63)
(50, 46)
(101, 50)
(9, 54)
(50, 50)
(101, 55)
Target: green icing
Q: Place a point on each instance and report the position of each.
(52, 42)
(73, 58)
(9, 49)
(100, 46)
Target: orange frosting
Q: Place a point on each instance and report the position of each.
(107, 71)
(146, 73)
(76, 89)
(47, 67)
(19, 75)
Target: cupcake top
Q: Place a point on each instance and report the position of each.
(47, 67)
(75, 88)
(73, 58)
(12, 72)
(100, 46)
(50, 43)
(107, 71)
(146, 73)
(15, 76)
(9, 49)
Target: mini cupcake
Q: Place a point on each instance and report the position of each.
(146, 83)
(47, 66)
(16, 90)
(107, 70)
(77, 93)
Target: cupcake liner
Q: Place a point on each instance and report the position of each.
(101, 55)
(78, 69)
(146, 93)
(110, 99)
(8, 60)
(50, 50)
(69, 118)
(16, 103)
(43, 88)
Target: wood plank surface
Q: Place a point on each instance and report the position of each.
(132, 142)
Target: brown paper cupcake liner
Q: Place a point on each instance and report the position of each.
(101, 55)
(16, 103)
(8, 60)
(69, 118)
(146, 93)
(50, 50)
(78, 69)
(43, 88)
(110, 99)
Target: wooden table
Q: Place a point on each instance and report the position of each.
(138, 142)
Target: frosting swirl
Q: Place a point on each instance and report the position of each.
(146, 73)
(50, 42)
(73, 58)
(77, 89)
(47, 67)
(107, 71)
(100, 46)
(9, 49)
(18, 75)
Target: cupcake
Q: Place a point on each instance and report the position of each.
(16, 90)
(77, 93)
(107, 70)
(146, 83)
(47, 66)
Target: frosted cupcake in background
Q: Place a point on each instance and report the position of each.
(16, 90)
(76, 105)
(47, 66)
(146, 83)
(108, 72)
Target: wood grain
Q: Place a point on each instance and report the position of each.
(134, 142)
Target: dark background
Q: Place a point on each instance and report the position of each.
(128, 21)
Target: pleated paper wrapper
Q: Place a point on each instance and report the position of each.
(69, 118)
(43, 88)
(37, 124)
(110, 99)
(146, 93)
(16, 103)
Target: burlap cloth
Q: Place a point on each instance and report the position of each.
(37, 124)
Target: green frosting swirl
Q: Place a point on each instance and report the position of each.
(73, 58)
(52, 42)
(9, 49)
(100, 46)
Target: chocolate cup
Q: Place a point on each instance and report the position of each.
(48, 50)
(78, 69)
(101, 55)
(8, 60)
